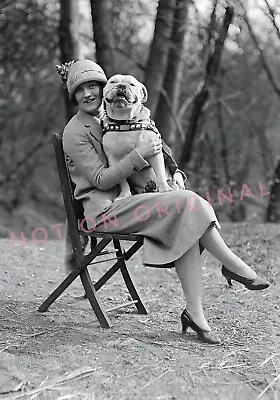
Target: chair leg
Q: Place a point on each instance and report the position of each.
(132, 290)
(93, 299)
(58, 291)
(107, 276)
(128, 281)
(71, 277)
(128, 254)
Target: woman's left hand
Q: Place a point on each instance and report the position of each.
(178, 180)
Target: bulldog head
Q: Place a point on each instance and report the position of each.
(123, 97)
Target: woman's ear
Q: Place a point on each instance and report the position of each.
(144, 93)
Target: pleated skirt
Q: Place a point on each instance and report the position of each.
(171, 222)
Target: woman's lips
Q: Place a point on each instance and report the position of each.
(89, 101)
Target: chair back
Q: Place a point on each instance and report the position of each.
(82, 261)
(73, 208)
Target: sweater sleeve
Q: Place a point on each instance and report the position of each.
(84, 158)
(170, 162)
(168, 159)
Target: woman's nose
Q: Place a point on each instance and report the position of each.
(87, 92)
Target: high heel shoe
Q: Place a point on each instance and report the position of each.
(251, 284)
(203, 336)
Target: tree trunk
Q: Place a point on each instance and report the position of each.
(103, 35)
(173, 77)
(273, 210)
(68, 40)
(158, 56)
(202, 96)
(222, 130)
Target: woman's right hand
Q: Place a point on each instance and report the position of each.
(148, 145)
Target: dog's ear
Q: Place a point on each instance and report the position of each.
(144, 93)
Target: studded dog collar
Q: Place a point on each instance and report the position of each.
(130, 126)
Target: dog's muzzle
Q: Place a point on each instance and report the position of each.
(119, 92)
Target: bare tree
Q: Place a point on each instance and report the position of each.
(202, 95)
(103, 35)
(273, 210)
(158, 55)
(68, 35)
(168, 105)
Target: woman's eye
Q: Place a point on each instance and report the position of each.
(132, 84)
(92, 86)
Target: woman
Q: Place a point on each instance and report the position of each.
(174, 224)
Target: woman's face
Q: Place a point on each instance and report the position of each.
(89, 96)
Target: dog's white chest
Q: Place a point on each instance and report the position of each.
(120, 143)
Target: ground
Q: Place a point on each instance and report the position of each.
(64, 354)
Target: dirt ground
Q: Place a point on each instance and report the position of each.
(64, 354)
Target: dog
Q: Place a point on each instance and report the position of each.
(127, 121)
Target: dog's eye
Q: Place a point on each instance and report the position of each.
(113, 82)
(132, 84)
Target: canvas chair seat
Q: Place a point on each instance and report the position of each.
(99, 247)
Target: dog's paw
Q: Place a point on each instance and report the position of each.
(173, 185)
(164, 187)
(122, 196)
(151, 187)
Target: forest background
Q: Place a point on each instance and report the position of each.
(212, 72)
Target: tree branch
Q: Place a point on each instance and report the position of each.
(202, 96)
(138, 64)
(175, 118)
(263, 60)
(28, 155)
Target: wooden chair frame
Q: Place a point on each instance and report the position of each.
(99, 242)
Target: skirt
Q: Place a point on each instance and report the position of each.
(171, 222)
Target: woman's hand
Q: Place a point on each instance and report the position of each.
(148, 145)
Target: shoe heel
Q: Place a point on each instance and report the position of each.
(185, 325)
(224, 273)
(203, 336)
(229, 281)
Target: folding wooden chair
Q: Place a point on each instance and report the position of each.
(99, 242)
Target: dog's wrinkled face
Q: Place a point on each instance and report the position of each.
(123, 97)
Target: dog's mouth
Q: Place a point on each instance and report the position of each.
(121, 98)
(120, 102)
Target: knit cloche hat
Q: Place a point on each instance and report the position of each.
(78, 72)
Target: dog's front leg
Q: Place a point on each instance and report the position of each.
(158, 166)
(125, 191)
(157, 163)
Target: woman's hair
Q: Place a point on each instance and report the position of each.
(73, 101)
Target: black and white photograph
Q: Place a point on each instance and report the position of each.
(140, 199)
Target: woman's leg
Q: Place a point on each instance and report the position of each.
(215, 244)
(188, 269)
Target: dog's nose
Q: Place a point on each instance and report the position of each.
(121, 86)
